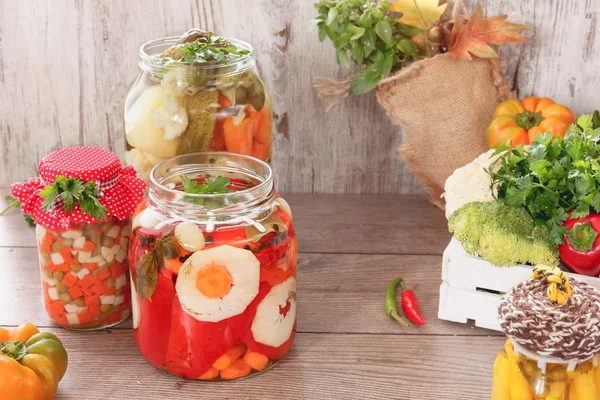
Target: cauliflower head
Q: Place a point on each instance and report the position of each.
(469, 183)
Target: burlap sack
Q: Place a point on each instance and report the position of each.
(443, 105)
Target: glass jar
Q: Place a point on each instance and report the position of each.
(520, 374)
(85, 273)
(214, 277)
(176, 108)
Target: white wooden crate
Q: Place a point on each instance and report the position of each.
(468, 280)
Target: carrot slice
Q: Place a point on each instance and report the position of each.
(85, 317)
(173, 264)
(261, 134)
(224, 101)
(238, 138)
(211, 374)
(69, 280)
(230, 356)
(236, 370)
(91, 266)
(95, 310)
(256, 360)
(88, 246)
(92, 301)
(213, 281)
(116, 270)
(75, 292)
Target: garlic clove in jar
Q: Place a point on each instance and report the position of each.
(189, 236)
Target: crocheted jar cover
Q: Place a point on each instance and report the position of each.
(570, 332)
(120, 189)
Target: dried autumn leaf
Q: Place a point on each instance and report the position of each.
(147, 275)
(419, 13)
(474, 36)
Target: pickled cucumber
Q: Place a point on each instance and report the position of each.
(201, 109)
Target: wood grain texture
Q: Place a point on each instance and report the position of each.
(338, 293)
(65, 66)
(327, 223)
(320, 366)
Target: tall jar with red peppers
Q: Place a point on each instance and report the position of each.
(82, 203)
(213, 257)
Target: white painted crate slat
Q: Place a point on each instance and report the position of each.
(466, 278)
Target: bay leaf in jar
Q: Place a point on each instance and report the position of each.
(147, 275)
(272, 224)
(201, 109)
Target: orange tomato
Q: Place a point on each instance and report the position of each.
(517, 123)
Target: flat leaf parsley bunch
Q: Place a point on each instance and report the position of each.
(555, 178)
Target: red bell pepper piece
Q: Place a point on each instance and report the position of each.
(195, 345)
(152, 335)
(274, 353)
(581, 250)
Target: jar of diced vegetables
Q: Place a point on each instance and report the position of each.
(213, 257)
(82, 205)
(196, 93)
(553, 340)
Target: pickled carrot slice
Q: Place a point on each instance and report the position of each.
(213, 281)
(236, 370)
(75, 292)
(173, 265)
(238, 138)
(230, 357)
(256, 360)
(261, 135)
(88, 246)
(209, 375)
(69, 280)
(224, 101)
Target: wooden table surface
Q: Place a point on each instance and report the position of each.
(346, 348)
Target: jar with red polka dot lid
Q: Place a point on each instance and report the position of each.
(81, 203)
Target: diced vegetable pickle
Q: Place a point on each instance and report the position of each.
(76, 277)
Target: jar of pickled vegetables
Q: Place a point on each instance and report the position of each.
(553, 340)
(196, 93)
(213, 257)
(82, 204)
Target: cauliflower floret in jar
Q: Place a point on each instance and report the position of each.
(469, 183)
(171, 116)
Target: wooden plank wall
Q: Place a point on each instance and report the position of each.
(66, 64)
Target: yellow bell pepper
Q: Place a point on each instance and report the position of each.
(501, 382)
(31, 363)
(583, 386)
(519, 387)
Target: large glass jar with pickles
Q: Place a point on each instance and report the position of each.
(553, 340)
(213, 257)
(196, 93)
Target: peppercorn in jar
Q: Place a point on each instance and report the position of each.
(213, 259)
(552, 322)
(81, 204)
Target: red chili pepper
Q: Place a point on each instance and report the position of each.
(410, 306)
(581, 250)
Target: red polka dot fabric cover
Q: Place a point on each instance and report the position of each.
(120, 189)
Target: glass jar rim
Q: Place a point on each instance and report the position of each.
(150, 63)
(254, 202)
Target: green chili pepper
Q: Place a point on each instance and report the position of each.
(391, 308)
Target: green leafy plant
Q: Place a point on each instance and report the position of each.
(373, 36)
(208, 47)
(72, 191)
(13, 202)
(555, 178)
(217, 185)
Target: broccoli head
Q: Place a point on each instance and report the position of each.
(503, 235)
